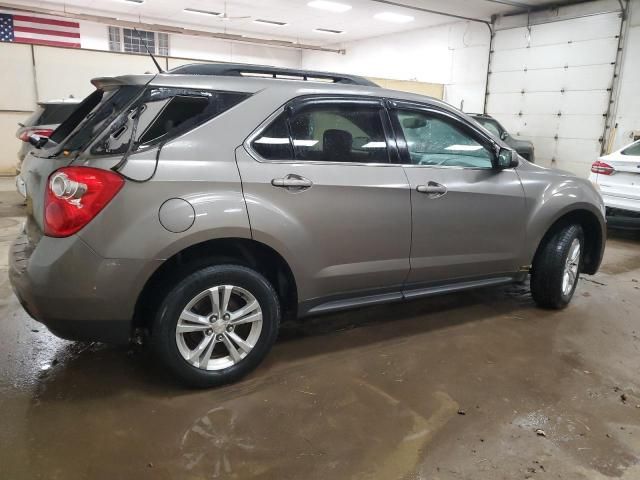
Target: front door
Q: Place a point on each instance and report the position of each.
(468, 217)
(320, 188)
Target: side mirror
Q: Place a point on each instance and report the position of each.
(506, 159)
(504, 136)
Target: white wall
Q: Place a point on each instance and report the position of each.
(95, 36)
(455, 55)
(628, 104)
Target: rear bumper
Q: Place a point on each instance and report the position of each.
(78, 295)
(621, 203)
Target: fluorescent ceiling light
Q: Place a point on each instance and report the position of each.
(334, 7)
(328, 30)
(393, 17)
(273, 23)
(202, 12)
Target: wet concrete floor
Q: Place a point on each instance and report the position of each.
(453, 387)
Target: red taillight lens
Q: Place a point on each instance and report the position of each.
(75, 195)
(602, 168)
(45, 132)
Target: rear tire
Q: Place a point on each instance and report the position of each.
(556, 267)
(216, 325)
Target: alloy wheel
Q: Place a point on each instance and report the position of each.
(219, 327)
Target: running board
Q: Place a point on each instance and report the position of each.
(456, 287)
(380, 298)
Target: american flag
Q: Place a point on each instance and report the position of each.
(39, 30)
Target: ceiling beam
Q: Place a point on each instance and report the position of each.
(511, 3)
(171, 29)
(434, 12)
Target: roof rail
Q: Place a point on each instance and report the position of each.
(265, 71)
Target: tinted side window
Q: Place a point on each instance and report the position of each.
(274, 143)
(432, 140)
(176, 111)
(56, 113)
(634, 149)
(162, 114)
(490, 125)
(339, 133)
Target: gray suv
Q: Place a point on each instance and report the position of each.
(206, 204)
(523, 147)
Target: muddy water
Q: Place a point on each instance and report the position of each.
(453, 387)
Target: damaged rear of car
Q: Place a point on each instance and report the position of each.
(73, 274)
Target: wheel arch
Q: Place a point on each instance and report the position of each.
(238, 251)
(594, 236)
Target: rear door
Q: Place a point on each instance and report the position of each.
(321, 189)
(468, 218)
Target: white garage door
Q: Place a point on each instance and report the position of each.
(551, 84)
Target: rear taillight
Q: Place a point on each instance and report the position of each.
(75, 195)
(45, 132)
(602, 168)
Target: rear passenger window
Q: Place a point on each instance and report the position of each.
(176, 111)
(634, 150)
(347, 133)
(162, 114)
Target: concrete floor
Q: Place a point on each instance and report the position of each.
(444, 388)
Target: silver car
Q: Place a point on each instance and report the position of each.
(42, 122)
(204, 205)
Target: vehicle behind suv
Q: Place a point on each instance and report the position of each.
(523, 147)
(42, 122)
(617, 176)
(202, 206)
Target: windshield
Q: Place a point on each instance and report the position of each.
(491, 125)
(92, 116)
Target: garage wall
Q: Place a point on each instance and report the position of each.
(627, 108)
(42, 73)
(550, 82)
(455, 55)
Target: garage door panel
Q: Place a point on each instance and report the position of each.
(556, 91)
(572, 54)
(545, 150)
(547, 80)
(577, 151)
(509, 60)
(584, 103)
(504, 103)
(580, 127)
(536, 103)
(513, 123)
(593, 52)
(506, 82)
(593, 77)
(539, 125)
(579, 29)
(512, 38)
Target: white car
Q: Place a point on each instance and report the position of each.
(617, 175)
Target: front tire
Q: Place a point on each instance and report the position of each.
(556, 268)
(216, 325)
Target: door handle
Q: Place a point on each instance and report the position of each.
(432, 189)
(292, 182)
